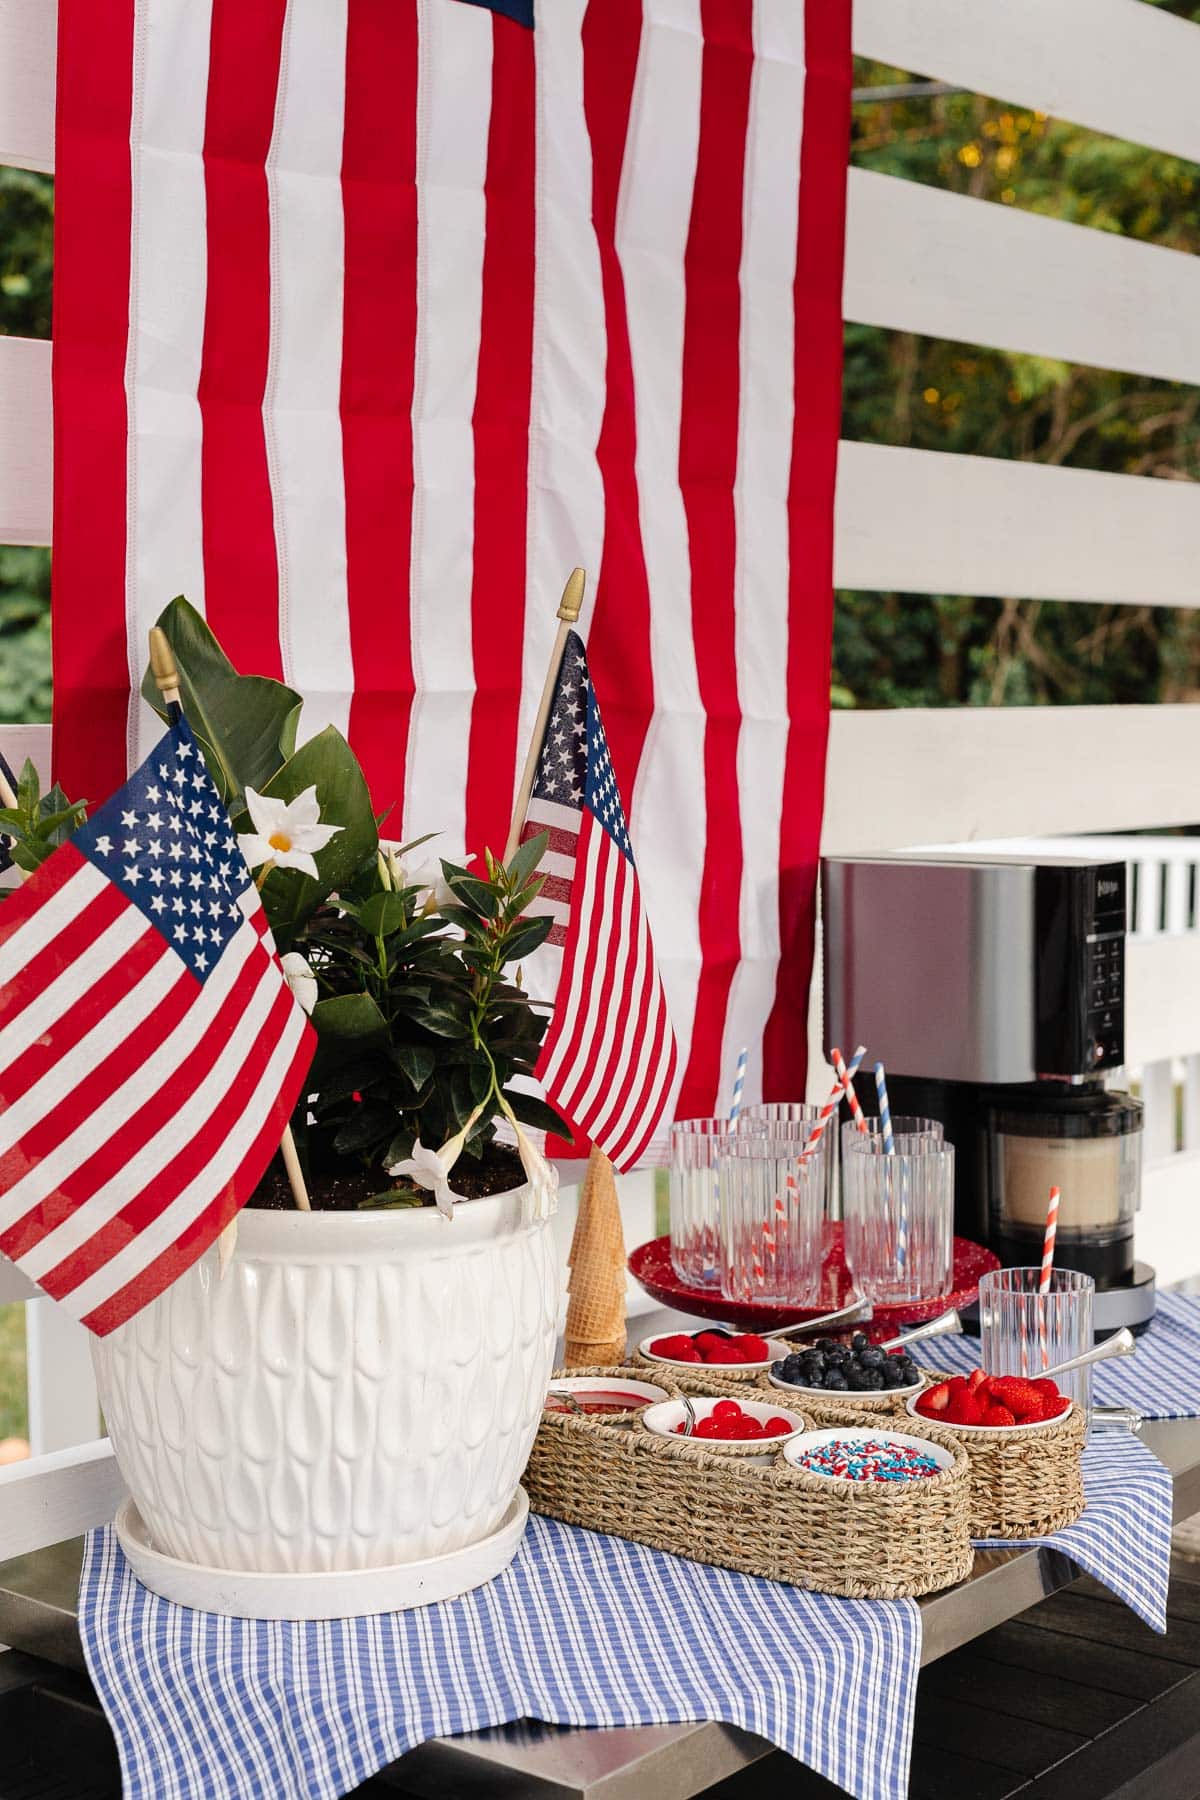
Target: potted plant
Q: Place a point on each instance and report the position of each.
(356, 1386)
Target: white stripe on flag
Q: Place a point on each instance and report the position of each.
(168, 278)
(570, 350)
(668, 817)
(624, 1123)
(301, 417)
(136, 1004)
(180, 1124)
(135, 1092)
(771, 198)
(66, 990)
(36, 933)
(628, 1050)
(162, 1233)
(453, 114)
(588, 902)
(600, 1052)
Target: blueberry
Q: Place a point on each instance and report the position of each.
(857, 1381)
(836, 1382)
(872, 1358)
(874, 1379)
(892, 1378)
(827, 1343)
(859, 1341)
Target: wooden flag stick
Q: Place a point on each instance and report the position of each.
(568, 612)
(166, 679)
(595, 1332)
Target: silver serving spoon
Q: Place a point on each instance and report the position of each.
(1127, 1417)
(689, 1423)
(572, 1403)
(855, 1312)
(1121, 1343)
(947, 1324)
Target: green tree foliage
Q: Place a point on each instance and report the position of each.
(950, 650)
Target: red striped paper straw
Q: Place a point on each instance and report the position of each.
(1048, 1242)
(1047, 1271)
(846, 1076)
(831, 1105)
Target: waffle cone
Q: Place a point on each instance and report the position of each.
(596, 1304)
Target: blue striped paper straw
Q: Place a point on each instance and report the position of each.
(739, 1082)
(889, 1149)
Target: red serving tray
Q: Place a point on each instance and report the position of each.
(650, 1265)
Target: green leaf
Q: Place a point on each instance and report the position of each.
(526, 858)
(532, 1111)
(383, 913)
(369, 1126)
(418, 1062)
(28, 788)
(473, 893)
(246, 723)
(349, 1016)
(528, 936)
(326, 761)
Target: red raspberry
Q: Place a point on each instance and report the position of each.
(753, 1349)
(689, 1355)
(723, 1351)
(671, 1346)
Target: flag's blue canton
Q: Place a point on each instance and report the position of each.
(521, 11)
(165, 840)
(575, 768)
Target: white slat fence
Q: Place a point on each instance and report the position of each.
(907, 521)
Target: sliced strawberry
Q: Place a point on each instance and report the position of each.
(964, 1409)
(1047, 1388)
(975, 1380)
(1020, 1396)
(996, 1415)
(935, 1399)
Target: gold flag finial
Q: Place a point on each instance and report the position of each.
(162, 664)
(571, 604)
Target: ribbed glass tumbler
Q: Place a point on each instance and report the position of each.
(898, 1214)
(1022, 1331)
(772, 1215)
(695, 1200)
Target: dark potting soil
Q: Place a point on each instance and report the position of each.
(497, 1170)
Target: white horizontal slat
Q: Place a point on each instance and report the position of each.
(28, 57)
(920, 776)
(924, 521)
(1118, 66)
(57, 1496)
(25, 440)
(19, 741)
(921, 259)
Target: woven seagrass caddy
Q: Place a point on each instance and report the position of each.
(1024, 1484)
(669, 1388)
(865, 1541)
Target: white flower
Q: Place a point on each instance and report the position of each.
(431, 1169)
(429, 877)
(300, 978)
(541, 1175)
(286, 832)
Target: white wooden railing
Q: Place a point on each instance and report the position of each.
(908, 521)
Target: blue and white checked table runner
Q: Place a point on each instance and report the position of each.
(580, 1630)
(1162, 1380)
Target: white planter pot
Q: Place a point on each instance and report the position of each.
(359, 1390)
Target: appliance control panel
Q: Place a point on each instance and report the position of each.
(1081, 968)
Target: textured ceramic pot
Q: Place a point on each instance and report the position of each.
(358, 1390)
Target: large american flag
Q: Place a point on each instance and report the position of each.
(150, 1048)
(608, 1059)
(375, 317)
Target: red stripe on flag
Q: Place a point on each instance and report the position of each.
(20, 906)
(241, 574)
(619, 641)
(604, 955)
(818, 382)
(637, 986)
(116, 980)
(135, 1052)
(93, 232)
(708, 455)
(626, 1152)
(379, 346)
(501, 429)
(187, 1163)
(56, 954)
(204, 1230)
(570, 1003)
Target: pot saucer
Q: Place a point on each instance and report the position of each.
(335, 1594)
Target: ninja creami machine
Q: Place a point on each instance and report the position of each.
(993, 989)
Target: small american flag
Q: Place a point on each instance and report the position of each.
(608, 1061)
(150, 1048)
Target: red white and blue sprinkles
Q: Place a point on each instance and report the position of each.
(868, 1459)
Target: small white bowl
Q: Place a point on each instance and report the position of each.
(1008, 1430)
(796, 1447)
(663, 1419)
(846, 1396)
(777, 1346)
(580, 1385)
